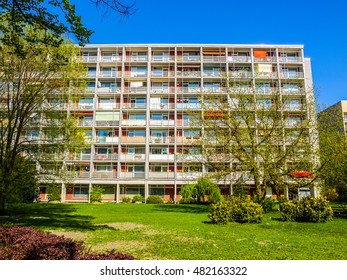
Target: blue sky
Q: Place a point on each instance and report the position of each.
(321, 26)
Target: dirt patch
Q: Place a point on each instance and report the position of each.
(124, 226)
(75, 235)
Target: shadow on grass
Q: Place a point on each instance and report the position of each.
(50, 216)
(183, 208)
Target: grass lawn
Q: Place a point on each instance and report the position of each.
(183, 232)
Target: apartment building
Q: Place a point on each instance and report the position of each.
(135, 112)
(335, 117)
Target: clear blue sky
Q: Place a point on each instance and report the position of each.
(321, 26)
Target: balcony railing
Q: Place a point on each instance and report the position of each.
(293, 91)
(136, 139)
(110, 58)
(132, 175)
(188, 106)
(265, 59)
(103, 157)
(290, 59)
(132, 157)
(162, 74)
(161, 140)
(161, 175)
(188, 73)
(291, 75)
(107, 123)
(162, 122)
(162, 105)
(213, 58)
(162, 89)
(262, 90)
(108, 106)
(156, 57)
(104, 174)
(161, 157)
(134, 105)
(134, 122)
(214, 89)
(214, 74)
(90, 58)
(136, 89)
(188, 58)
(85, 106)
(266, 74)
(188, 175)
(239, 58)
(240, 74)
(108, 90)
(107, 74)
(137, 58)
(293, 107)
(85, 123)
(107, 139)
(80, 157)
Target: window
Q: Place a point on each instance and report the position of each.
(137, 117)
(137, 133)
(160, 117)
(80, 192)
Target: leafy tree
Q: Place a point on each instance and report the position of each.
(333, 152)
(33, 128)
(55, 19)
(250, 138)
(197, 192)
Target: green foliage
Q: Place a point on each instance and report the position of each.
(308, 209)
(126, 199)
(154, 199)
(238, 210)
(53, 192)
(96, 193)
(282, 199)
(192, 193)
(268, 204)
(330, 194)
(138, 199)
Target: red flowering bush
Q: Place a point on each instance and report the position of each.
(27, 243)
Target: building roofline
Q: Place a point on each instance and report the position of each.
(195, 45)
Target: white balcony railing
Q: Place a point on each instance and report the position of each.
(132, 157)
(104, 174)
(161, 175)
(162, 122)
(132, 175)
(161, 157)
(134, 122)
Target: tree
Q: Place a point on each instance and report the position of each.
(55, 19)
(33, 128)
(255, 139)
(197, 192)
(333, 151)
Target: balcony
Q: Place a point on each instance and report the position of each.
(136, 139)
(107, 123)
(240, 74)
(162, 74)
(188, 106)
(132, 175)
(291, 75)
(162, 57)
(188, 175)
(136, 89)
(217, 74)
(79, 174)
(134, 122)
(162, 89)
(189, 74)
(167, 157)
(189, 57)
(189, 89)
(104, 174)
(108, 90)
(105, 157)
(213, 58)
(138, 58)
(239, 58)
(292, 91)
(82, 106)
(111, 58)
(109, 74)
(135, 105)
(92, 58)
(157, 106)
(85, 123)
(161, 175)
(265, 90)
(214, 89)
(162, 122)
(290, 59)
(108, 106)
(161, 140)
(79, 157)
(293, 107)
(188, 139)
(266, 74)
(107, 140)
(265, 59)
(132, 157)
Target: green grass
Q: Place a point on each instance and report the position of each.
(183, 232)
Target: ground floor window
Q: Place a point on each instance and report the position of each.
(80, 192)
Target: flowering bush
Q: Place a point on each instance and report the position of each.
(27, 243)
(308, 209)
(238, 210)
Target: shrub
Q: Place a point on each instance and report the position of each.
(220, 213)
(330, 194)
(126, 199)
(53, 192)
(282, 199)
(154, 199)
(268, 204)
(308, 209)
(27, 243)
(96, 193)
(138, 198)
(238, 210)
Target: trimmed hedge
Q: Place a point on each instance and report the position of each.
(154, 199)
(308, 209)
(27, 243)
(238, 210)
